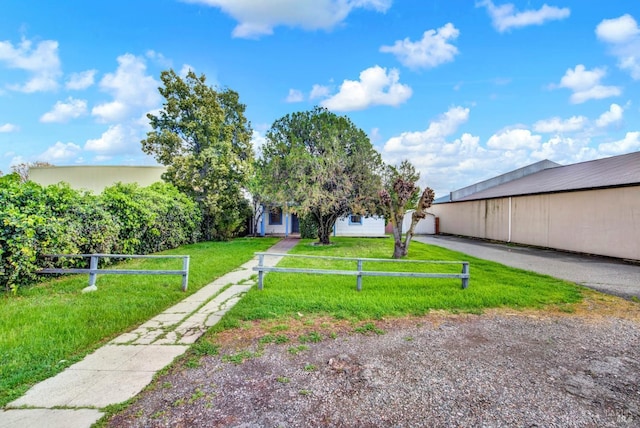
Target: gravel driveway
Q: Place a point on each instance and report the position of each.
(499, 369)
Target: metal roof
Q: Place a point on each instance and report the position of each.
(616, 171)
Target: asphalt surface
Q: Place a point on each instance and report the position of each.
(604, 274)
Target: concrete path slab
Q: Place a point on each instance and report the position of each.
(124, 367)
(49, 418)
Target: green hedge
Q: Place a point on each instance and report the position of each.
(125, 218)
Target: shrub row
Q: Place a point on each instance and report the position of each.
(125, 218)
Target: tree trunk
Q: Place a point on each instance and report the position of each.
(398, 247)
(325, 227)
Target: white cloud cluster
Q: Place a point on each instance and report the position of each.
(62, 112)
(505, 17)
(118, 139)
(610, 117)
(132, 89)
(432, 137)
(82, 80)
(434, 48)
(558, 125)
(60, 153)
(630, 143)
(623, 36)
(375, 87)
(258, 18)
(586, 85)
(295, 96)
(41, 62)
(8, 127)
(514, 139)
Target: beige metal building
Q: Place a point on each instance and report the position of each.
(96, 178)
(589, 207)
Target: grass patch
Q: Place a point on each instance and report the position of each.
(47, 327)
(492, 285)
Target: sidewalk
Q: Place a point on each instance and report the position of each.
(126, 365)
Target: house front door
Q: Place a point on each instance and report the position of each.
(295, 224)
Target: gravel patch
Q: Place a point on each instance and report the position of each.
(499, 369)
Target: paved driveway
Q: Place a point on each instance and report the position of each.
(604, 274)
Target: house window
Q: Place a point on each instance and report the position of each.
(275, 216)
(355, 219)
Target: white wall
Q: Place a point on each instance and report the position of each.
(426, 226)
(370, 227)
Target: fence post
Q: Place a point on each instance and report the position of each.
(260, 272)
(185, 273)
(93, 274)
(465, 270)
(359, 283)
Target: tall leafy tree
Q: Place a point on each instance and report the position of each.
(203, 137)
(399, 194)
(320, 165)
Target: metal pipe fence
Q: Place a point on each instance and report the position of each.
(93, 269)
(359, 272)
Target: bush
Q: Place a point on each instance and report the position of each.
(56, 219)
(308, 227)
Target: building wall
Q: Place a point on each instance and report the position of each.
(370, 227)
(604, 222)
(426, 226)
(96, 178)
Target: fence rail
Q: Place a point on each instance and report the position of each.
(360, 272)
(93, 267)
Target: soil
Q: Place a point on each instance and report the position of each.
(503, 368)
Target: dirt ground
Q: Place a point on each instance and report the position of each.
(504, 368)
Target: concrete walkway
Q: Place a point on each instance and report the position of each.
(126, 365)
(607, 275)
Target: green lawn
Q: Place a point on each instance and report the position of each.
(45, 328)
(491, 285)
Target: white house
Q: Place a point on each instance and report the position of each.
(426, 226)
(275, 221)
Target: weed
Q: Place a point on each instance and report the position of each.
(158, 414)
(304, 392)
(310, 368)
(179, 402)
(197, 394)
(192, 363)
(240, 357)
(295, 350)
(310, 337)
(283, 379)
(204, 347)
(167, 385)
(369, 328)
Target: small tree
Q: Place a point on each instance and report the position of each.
(320, 166)
(401, 193)
(22, 169)
(204, 139)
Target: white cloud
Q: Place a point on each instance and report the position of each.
(618, 30)
(556, 124)
(295, 96)
(564, 150)
(64, 111)
(9, 127)
(514, 139)
(258, 18)
(505, 17)
(82, 80)
(60, 152)
(623, 36)
(434, 48)
(630, 143)
(432, 138)
(613, 115)
(319, 91)
(131, 89)
(118, 139)
(586, 86)
(375, 87)
(41, 62)
(257, 141)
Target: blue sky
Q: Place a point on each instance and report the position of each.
(464, 89)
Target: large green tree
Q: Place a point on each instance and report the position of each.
(399, 194)
(320, 165)
(203, 137)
